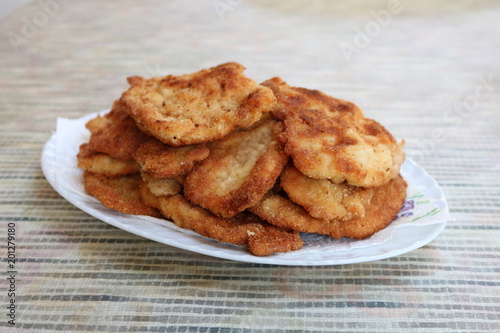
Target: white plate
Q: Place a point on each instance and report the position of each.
(421, 219)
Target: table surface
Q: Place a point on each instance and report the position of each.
(427, 70)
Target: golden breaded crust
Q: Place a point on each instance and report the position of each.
(116, 114)
(95, 124)
(147, 197)
(281, 212)
(322, 198)
(197, 107)
(121, 194)
(119, 136)
(341, 148)
(262, 238)
(386, 202)
(291, 99)
(161, 186)
(163, 161)
(189, 216)
(240, 169)
(274, 240)
(104, 164)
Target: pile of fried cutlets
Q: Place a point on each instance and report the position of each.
(255, 165)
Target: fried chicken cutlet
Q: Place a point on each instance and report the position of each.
(240, 169)
(340, 148)
(322, 198)
(198, 107)
(261, 238)
(121, 193)
(329, 138)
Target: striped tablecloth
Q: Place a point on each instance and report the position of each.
(428, 70)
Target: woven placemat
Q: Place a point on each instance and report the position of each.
(426, 70)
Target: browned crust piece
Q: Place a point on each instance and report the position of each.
(274, 240)
(161, 186)
(322, 198)
(197, 107)
(148, 197)
(163, 161)
(262, 239)
(386, 203)
(95, 124)
(104, 164)
(291, 99)
(341, 148)
(119, 136)
(240, 169)
(121, 194)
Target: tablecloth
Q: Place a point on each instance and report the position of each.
(427, 70)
